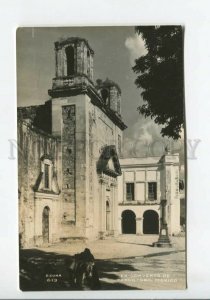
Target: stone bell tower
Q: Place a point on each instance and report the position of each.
(73, 57)
(86, 118)
(72, 89)
(73, 74)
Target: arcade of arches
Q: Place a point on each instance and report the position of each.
(150, 224)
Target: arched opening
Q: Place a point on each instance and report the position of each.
(88, 62)
(108, 215)
(118, 105)
(45, 224)
(128, 222)
(70, 60)
(105, 96)
(151, 222)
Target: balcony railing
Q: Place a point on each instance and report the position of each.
(66, 82)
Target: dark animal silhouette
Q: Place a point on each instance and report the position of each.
(83, 271)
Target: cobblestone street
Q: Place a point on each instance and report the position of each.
(128, 262)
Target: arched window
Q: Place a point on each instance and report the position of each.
(47, 169)
(70, 60)
(118, 105)
(46, 176)
(105, 96)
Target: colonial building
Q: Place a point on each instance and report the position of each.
(69, 168)
(142, 186)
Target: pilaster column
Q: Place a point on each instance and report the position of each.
(102, 216)
(112, 210)
(139, 226)
(120, 225)
(115, 208)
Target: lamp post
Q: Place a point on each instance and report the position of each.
(163, 240)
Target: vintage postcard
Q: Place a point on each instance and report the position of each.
(101, 158)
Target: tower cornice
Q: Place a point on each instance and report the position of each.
(86, 87)
(63, 42)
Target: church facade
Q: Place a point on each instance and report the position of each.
(69, 172)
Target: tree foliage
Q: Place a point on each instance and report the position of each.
(160, 77)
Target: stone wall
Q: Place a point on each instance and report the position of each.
(38, 115)
(115, 100)
(70, 119)
(102, 131)
(83, 58)
(68, 162)
(32, 146)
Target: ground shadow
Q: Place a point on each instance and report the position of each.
(139, 244)
(106, 269)
(116, 286)
(47, 271)
(40, 270)
(163, 253)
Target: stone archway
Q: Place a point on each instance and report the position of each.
(46, 224)
(150, 222)
(128, 222)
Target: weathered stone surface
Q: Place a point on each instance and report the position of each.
(33, 144)
(111, 95)
(83, 57)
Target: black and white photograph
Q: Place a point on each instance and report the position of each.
(104, 157)
(101, 158)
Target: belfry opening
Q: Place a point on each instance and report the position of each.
(70, 60)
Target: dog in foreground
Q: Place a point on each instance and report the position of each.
(83, 271)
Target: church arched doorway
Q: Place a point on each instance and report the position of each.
(45, 224)
(150, 222)
(128, 222)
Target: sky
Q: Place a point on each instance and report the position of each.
(116, 49)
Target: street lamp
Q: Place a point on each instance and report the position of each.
(163, 240)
